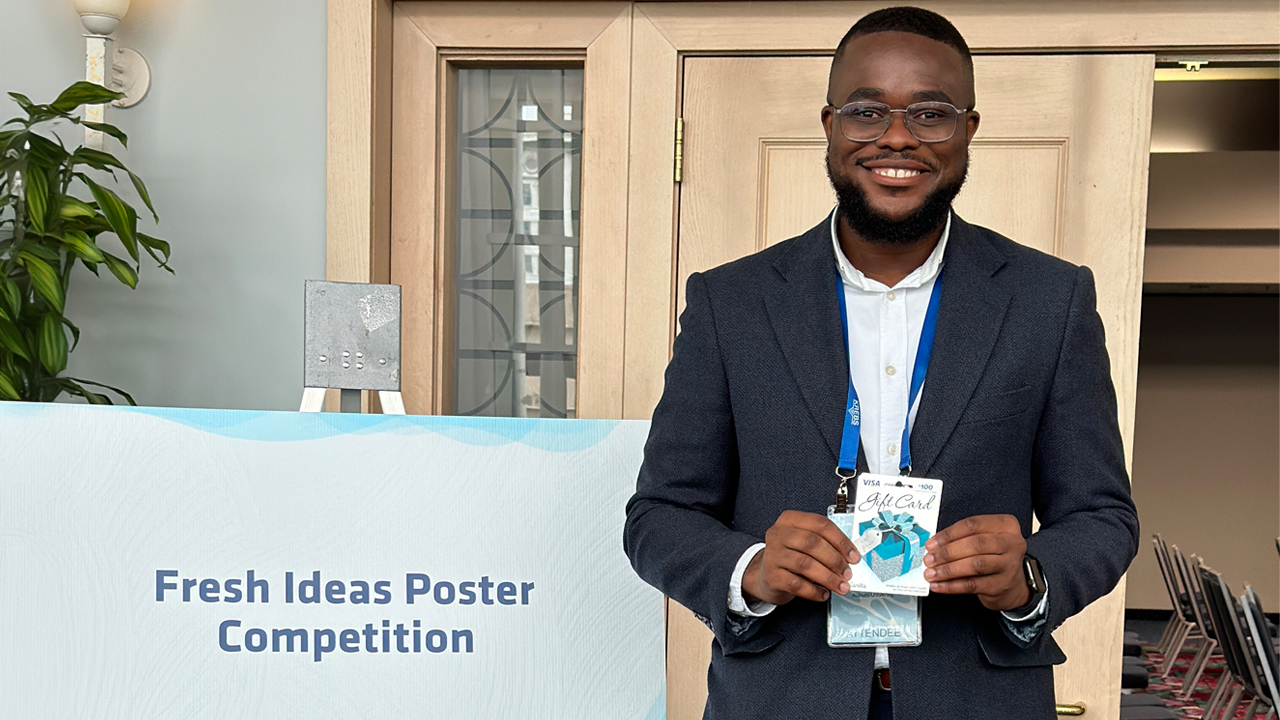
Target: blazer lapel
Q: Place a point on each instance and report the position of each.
(806, 321)
(969, 318)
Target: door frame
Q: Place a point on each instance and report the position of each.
(362, 222)
(393, 128)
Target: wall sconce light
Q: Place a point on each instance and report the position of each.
(128, 72)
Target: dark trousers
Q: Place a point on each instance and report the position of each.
(881, 706)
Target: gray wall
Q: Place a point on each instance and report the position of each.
(231, 143)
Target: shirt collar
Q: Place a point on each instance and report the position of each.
(853, 277)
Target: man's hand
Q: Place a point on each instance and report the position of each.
(805, 555)
(981, 555)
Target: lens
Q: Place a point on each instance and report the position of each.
(864, 122)
(932, 122)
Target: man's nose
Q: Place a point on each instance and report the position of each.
(898, 136)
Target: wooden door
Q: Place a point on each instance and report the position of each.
(1059, 163)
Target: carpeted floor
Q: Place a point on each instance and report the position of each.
(1169, 689)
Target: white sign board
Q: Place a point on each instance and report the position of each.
(226, 564)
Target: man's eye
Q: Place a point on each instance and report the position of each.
(866, 113)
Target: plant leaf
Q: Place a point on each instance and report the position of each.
(11, 338)
(83, 93)
(45, 151)
(42, 252)
(74, 208)
(7, 388)
(75, 333)
(121, 217)
(83, 247)
(142, 193)
(97, 159)
(52, 340)
(111, 130)
(116, 390)
(44, 280)
(154, 245)
(121, 270)
(37, 192)
(23, 101)
(12, 294)
(75, 389)
(91, 267)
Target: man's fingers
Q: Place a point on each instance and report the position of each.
(973, 545)
(817, 547)
(822, 526)
(805, 566)
(985, 585)
(974, 525)
(791, 583)
(970, 567)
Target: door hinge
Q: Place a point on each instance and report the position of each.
(679, 149)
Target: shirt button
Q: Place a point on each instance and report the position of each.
(891, 370)
(891, 295)
(893, 449)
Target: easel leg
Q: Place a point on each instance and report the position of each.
(312, 400)
(392, 402)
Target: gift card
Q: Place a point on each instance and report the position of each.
(893, 517)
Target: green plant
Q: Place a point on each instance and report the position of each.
(45, 230)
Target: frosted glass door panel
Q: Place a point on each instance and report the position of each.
(519, 150)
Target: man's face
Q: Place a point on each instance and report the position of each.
(898, 69)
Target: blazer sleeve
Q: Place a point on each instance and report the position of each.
(1088, 524)
(677, 532)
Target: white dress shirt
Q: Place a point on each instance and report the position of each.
(884, 334)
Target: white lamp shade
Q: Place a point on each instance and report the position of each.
(101, 17)
(110, 8)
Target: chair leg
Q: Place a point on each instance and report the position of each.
(1166, 667)
(1164, 634)
(1251, 710)
(1233, 703)
(1196, 671)
(1271, 713)
(1225, 682)
(1170, 630)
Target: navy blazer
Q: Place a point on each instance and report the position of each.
(1018, 415)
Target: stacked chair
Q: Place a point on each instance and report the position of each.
(1248, 648)
(1183, 626)
(1232, 630)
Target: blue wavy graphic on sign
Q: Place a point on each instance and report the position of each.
(552, 435)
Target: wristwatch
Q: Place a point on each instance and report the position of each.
(1035, 584)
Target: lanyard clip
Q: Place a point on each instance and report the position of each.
(842, 491)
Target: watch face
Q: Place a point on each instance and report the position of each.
(1031, 569)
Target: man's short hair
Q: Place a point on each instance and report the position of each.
(914, 20)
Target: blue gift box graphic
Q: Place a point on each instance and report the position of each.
(901, 547)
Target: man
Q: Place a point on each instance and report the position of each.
(1017, 415)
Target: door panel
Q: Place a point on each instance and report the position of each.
(1059, 164)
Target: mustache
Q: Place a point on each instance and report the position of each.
(909, 156)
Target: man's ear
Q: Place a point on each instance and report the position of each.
(828, 117)
(971, 123)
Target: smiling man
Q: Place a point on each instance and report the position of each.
(995, 381)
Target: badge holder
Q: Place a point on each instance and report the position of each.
(868, 619)
(889, 523)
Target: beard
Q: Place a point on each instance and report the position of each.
(875, 227)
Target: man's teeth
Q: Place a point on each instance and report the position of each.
(895, 172)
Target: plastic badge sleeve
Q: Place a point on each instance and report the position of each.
(870, 619)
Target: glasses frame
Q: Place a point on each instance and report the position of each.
(906, 119)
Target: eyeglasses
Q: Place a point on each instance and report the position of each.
(929, 122)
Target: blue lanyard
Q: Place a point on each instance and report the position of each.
(851, 437)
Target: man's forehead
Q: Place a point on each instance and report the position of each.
(900, 63)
